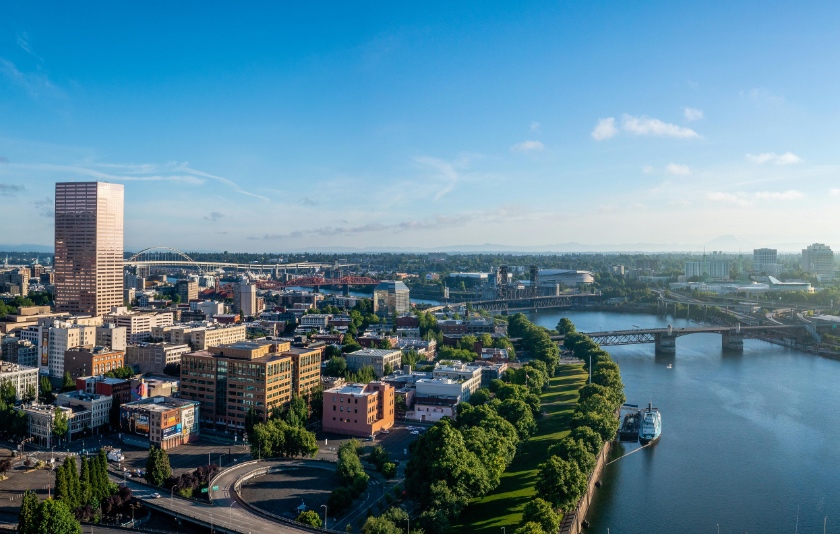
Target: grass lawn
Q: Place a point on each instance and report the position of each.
(503, 507)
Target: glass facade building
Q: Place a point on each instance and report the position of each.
(88, 247)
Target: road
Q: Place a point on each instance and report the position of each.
(224, 514)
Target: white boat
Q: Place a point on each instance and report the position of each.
(651, 425)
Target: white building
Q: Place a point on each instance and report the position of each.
(201, 335)
(63, 337)
(110, 335)
(376, 358)
(40, 419)
(447, 387)
(210, 308)
(765, 260)
(819, 260)
(138, 325)
(21, 377)
(99, 406)
(468, 375)
(315, 320)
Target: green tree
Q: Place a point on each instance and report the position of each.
(337, 366)
(29, 394)
(531, 527)
(67, 383)
(28, 514)
(45, 394)
(55, 517)
(481, 396)
(7, 392)
(296, 412)
(561, 483)
(158, 469)
(519, 414)
(310, 517)
(380, 525)
(60, 425)
(349, 466)
(539, 511)
(591, 439)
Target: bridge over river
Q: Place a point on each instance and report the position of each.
(665, 339)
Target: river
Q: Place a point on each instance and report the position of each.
(749, 441)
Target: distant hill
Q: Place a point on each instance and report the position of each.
(41, 249)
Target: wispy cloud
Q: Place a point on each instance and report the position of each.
(179, 172)
(748, 199)
(641, 126)
(788, 158)
(45, 207)
(692, 114)
(36, 84)
(527, 146)
(656, 128)
(433, 223)
(761, 95)
(11, 189)
(729, 198)
(605, 129)
(23, 43)
(535, 126)
(445, 169)
(214, 216)
(677, 170)
(790, 194)
(835, 192)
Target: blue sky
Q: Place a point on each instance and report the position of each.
(278, 127)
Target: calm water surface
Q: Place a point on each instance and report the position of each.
(747, 439)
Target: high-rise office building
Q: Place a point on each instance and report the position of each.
(818, 259)
(88, 247)
(765, 260)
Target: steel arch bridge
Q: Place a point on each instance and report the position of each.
(163, 256)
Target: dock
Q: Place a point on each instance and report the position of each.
(631, 421)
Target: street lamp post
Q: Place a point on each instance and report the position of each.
(171, 491)
(230, 515)
(324, 506)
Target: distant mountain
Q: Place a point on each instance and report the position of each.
(41, 249)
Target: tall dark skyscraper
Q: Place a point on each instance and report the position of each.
(88, 247)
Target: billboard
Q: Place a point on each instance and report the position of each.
(141, 424)
(171, 431)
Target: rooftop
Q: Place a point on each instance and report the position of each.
(374, 352)
(161, 404)
(391, 285)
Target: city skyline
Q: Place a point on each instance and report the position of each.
(649, 128)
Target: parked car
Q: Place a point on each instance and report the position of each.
(156, 495)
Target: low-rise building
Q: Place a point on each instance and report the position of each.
(138, 325)
(164, 422)
(359, 409)
(315, 320)
(430, 408)
(23, 378)
(40, 419)
(98, 405)
(383, 361)
(200, 336)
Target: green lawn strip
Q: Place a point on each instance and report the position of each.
(503, 507)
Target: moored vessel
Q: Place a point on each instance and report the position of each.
(651, 427)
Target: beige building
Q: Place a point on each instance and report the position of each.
(245, 299)
(154, 357)
(376, 358)
(200, 336)
(230, 380)
(187, 290)
(98, 405)
(138, 325)
(88, 247)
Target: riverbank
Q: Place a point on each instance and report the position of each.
(503, 507)
(573, 521)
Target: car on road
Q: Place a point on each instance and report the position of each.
(385, 431)
(415, 432)
(369, 438)
(155, 495)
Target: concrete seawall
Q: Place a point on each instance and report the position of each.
(573, 521)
